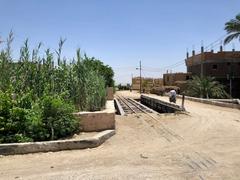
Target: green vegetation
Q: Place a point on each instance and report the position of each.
(124, 87)
(205, 87)
(104, 70)
(37, 97)
(233, 29)
(22, 119)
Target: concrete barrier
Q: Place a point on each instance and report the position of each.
(110, 93)
(159, 105)
(59, 145)
(119, 108)
(212, 102)
(98, 120)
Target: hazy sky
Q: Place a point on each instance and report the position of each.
(120, 32)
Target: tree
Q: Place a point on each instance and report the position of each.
(205, 87)
(104, 70)
(233, 29)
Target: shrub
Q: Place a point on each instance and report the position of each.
(57, 117)
(12, 120)
(49, 118)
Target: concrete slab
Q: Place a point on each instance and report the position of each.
(159, 105)
(59, 145)
(119, 107)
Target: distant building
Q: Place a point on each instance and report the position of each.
(147, 83)
(223, 65)
(176, 79)
(170, 79)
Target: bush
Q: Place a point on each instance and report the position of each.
(12, 120)
(57, 117)
(49, 118)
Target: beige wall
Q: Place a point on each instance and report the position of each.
(218, 57)
(147, 83)
(98, 120)
(171, 78)
(110, 93)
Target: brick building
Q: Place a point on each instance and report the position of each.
(147, 83)
(170, 79)
(176, 79)
(223, 65)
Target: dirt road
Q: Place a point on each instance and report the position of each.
(202, 145)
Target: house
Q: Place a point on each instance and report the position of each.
(223, 65)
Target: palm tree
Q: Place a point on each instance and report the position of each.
(205, 87)
(233, 29)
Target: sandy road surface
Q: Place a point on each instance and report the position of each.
(202, 145)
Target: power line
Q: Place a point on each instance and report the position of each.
(179, 63)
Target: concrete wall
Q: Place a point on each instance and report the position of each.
(212, 102)
(176, 79)
(208, 57)
(169, 79)
(59, 145)
(110, 93)
(98, 120)
(147, 83)
(159, 105)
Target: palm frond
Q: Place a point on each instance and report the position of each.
(230, 37)
(205, 87)
(233, 29)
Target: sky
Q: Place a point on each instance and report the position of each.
(121, 32)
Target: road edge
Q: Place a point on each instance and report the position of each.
(53, 146)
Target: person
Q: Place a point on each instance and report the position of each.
(172, 96)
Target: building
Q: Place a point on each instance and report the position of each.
(147, 83)
(223, 65)
(176, 79)
(170, 79)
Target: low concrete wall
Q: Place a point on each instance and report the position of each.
(110, 93)
(159, 105)
(119, 108)
(212, 102)
(98, 120)
(46, 146)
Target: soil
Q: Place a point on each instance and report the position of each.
(202, 144)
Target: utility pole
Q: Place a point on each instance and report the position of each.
(140, 70)
(131, 84)
(202, 51)
(140, 65)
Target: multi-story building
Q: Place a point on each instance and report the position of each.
(223, 65)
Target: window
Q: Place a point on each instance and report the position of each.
(187, 77)
(214, 67)
(167, 78)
